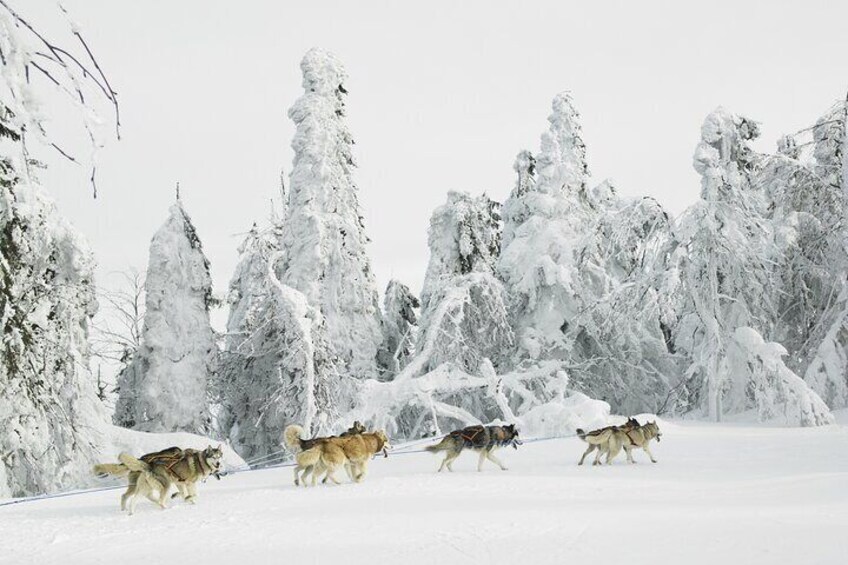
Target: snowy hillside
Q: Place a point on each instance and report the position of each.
(719, 494)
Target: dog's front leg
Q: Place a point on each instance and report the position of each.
(648, 451)
(493, 459)
(483, 454)
(192, 493)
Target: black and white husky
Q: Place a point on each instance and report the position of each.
(483, 439)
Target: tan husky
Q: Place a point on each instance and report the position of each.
(600, 439)
(155, 473)
(351, 450)
(308, 452)
(628, 439)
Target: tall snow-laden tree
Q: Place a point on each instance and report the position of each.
(545, 220)
(827, 341)
(51, 420)
(277, 366)
(400, 324)
(724, 257)
(620, 339)
(460, 281)
(324, 241)
(49, 411)
(808, 211)
(165, 387)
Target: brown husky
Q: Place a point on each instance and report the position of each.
(156, 472)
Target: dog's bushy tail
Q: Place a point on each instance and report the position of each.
(581, 433)
(291, 437)
(114, 469)
(132, 463)
(443, 445)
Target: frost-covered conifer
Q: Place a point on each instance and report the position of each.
(400, 324)
(277, 367)
(464, 316)
(51, 420)
(620, 348)
(323, 231)
(808, 211)
(165, 388)
(724, 256)
(50, 417)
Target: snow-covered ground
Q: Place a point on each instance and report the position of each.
(726, 493)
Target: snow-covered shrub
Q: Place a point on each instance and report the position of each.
(759, 379)
(165, 388)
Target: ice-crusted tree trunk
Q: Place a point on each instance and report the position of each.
(323, 254)
(276, 367)
(165, 387)
(724, 257)
(545, 219)
(400, 325)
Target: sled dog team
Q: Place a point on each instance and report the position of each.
(153, 474)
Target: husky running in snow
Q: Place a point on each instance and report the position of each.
(483, 439)
(351, 450)
(612, 439)
(154, 473)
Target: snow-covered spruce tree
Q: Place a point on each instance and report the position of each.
(545, 220)
(324, 237)
(808, 210)
(165, 387)
(49, 411)
(725, 254)
(277, 366)
(620, 340)
(50, 417)
(460, 281)
(400, 324)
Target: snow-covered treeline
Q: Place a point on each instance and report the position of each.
(550, 309)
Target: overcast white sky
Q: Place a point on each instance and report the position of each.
(442, 97)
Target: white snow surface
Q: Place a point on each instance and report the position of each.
(720, 493)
